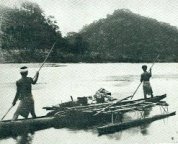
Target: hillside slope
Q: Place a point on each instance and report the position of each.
(128, 37)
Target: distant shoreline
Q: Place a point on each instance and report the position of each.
(79, 62)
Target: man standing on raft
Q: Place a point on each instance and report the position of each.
(24, 94)
(145, 78)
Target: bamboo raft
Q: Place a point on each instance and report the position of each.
(77, 116)
(109, 107)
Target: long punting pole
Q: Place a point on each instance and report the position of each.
(38, 71)
(128, 96)
(47, 56)
(141, 82)
(7, 112)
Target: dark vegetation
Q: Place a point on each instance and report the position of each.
(27, 35)
(128, 37)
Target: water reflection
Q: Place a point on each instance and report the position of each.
(26, 138)
(144, 127)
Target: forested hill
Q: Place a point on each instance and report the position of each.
(128, 37)
(27, 34)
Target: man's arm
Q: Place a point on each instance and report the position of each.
(35, 78)
(150, 72)
(141, 78)
(16, 95)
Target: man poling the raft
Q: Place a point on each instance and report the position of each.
(126, 98)
(145, 78)
(24, 94)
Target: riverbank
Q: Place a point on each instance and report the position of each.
(37, 56)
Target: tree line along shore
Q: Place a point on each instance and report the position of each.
(27, 35)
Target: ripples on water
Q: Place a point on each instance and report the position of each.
(57, 82)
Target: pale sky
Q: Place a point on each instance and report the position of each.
(72, 15)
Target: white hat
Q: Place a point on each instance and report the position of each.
(24, 69)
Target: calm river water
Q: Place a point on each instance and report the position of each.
(57, 82)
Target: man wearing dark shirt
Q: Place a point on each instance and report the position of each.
(145, 78)
(24, 94)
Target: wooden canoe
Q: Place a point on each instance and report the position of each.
(20, 126)
(111, 128)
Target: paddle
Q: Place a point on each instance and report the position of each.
(34, 76)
